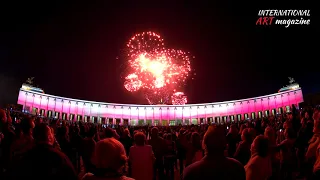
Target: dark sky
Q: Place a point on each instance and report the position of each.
(71, 48)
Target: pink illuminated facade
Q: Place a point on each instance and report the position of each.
(134, 114)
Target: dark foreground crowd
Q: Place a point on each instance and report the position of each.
(285, 146)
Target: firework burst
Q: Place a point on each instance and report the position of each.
(153, 68)
(179, 98)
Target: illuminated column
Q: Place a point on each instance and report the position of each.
(84, 106)
(62, 108)
(248, 109)
(269, 104)
(227, 113)
(190, 119)
(242, 115)
(289, 102)
(160, 109)
(182, 118)
(234, 112)
(137, 109)
(261, 108)
(76, 111)
(183, 121)
(145, 115)
(90, 116)
(114, 113)
(242, 111)
(168, 116)
(48, 99)
(40, 104)
(98, 114)
(130, 115)
(121, 121)
(69, 115)
(255, 108)
(198, 120)
(25, 101)
(32, 102)
(153, 116)
(275, 103)
(205, 115)
(288, 95)
(295, 99)
(174, 115)
(55, 104)
(219, 112)
(235, 116)
(61, 111)
(213, 116)
(282, 101)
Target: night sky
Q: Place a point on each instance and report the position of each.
(71, 48)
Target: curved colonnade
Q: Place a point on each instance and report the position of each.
(110, 113)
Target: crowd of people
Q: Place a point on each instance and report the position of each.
(285, 146)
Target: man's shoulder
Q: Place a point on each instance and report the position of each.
(90, 176)
(234, 162)
(46, 151)
(156, 140)
(196, 169)
(193, 169)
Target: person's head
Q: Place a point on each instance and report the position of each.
(27, 125)
(108, 132)
(303, 121)
(92, 132)
(64, 123)
(246, 135)
(306, 115)
(287, 125)
(214, 141)
(62, 132)
(316, 115)
(76, 130)
(260, 146)
(269, 133)
(169, 136)
(253, 132)
(289, 133)
(110, 154)
(140, 139)
(264, 123)
(316, 127)
(181, 131)
(154, 132)
(242, 127)
(233, 129)
(165, 135)
(38, 120)
(18, 131)
(42, 133)
(195, 140)
(3, 116)
(126, 132)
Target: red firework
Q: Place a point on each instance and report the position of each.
(153, 67)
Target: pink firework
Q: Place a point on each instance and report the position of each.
(179, 98)
(152, 66)
(132, 83)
